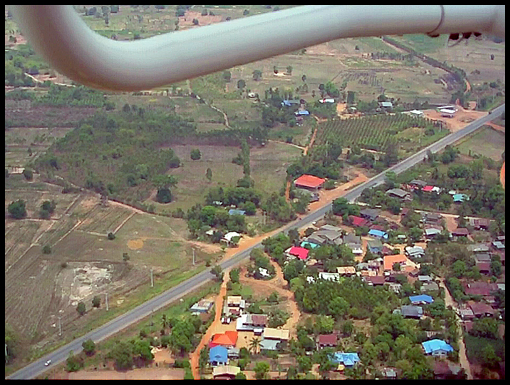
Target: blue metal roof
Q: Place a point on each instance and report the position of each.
(421, 298)
(460, 197)
(236, 212)
(378, 233)
(311, 244)
(218, 354)
(348, 359)
(436, 345)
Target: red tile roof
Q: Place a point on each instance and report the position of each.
(358, 221)
(480, 308)
(427, 188)
(229, 338)
(483, 266)
(376, 280)
(327, 339)
(309, 181)
(299, 252)
(377, 227)
(479, 288)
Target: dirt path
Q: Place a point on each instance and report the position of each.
(276, 284)
(287, 191)
(464, 363)
(194, 357)
(305, 151)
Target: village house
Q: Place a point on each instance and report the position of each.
(227, 339)
(218, 355)
(370, 214)
(202, 306)
(415, 251)
(358, 221)
(399, 193)
(481, 309)
(309, 182)
(346, 271)
(465, 313)
(272, 337)
(345, 359)
(460, 232)
(421, 299)
(429, 287)
(480, 223)
(225, 372)
(297, 252)
(326, 340)
(478, 248)
(406, 265)
(444, 369)
(329, 276)
(431, 218)
(430, 233)
(375, 246)
(437, 347)
(227, 238)
(330, 237)
(377, 280)
(395, 287)
(498, 245)
(378, 234)
(411, 311)
(417, 184)
(484, 267)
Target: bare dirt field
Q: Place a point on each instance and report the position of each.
(186, 21)
(136, 374)
(461, 118)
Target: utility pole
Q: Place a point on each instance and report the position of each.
(152, 279)
(193, 256)
(59, 326)
(106, 294)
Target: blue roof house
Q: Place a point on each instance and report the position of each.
(378, 234)
(347, 359)
(311, 244)
(459, 198)
(423, 298)
(236, 212)
(218, 355)
(437, 347)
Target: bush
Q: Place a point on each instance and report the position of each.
(17, 209)
(89, 347)
(195, 154)
(96, 301)
(81, 308)
(46, 249)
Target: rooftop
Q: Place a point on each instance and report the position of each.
(436, 345)
(299, 252)
(309, 181)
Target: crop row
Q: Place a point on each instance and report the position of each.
(370, 132)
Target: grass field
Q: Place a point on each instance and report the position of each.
(485, 141)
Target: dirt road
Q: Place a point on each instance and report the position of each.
(464, 363)
(194, 357)
(305, 151)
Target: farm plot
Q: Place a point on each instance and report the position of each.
(104, 219)
(486, 141)
(192, 182)
(370, 132)
(41, 116)
(269, 165)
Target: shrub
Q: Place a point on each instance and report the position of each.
(46, 249)
(111, 236)
(81, 308)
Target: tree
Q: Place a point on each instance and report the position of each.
(73, 363)
(485, 328)
(122, 353)
(254, 345)
(304, 363)
(81, 308)
(111, 236)
(289, 70)
(195, 21)
(234, 275)
(28, 174)
(46, 249)
(96, 301)
(240, 376)
(303, 78)
(257, 75)
(164, 195)
(241, 84)
(125, 257)
(208, 174)
(338, 307)
(89, 347)
(496, 268)
(17, 209)
(218, 272)
(490, 359)
(261, 369)
(195, 154)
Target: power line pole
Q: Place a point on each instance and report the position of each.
(106, 294)
(152, 279)
(59, 326)
(193, 256)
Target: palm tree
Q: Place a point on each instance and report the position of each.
(254, 345)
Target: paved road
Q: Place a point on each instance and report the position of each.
(36, 368)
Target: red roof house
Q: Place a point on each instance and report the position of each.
(358, 221)
(299, 252)
(229, 338)
(427, 188)
(479, 288)
(481, 309)
(484, 267)
(327, 340)
(309, 181)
